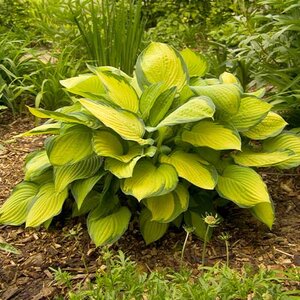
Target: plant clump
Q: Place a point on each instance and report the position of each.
(163, 146)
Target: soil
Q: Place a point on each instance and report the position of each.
(66, 245)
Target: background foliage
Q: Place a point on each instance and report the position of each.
(256, 40)
(260, 44)
(177, 22)
(64, 36)
(14, 15)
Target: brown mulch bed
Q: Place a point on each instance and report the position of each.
(67, 244)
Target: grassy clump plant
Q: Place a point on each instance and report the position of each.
(160, 146)
(111, 31)
(106, 32)
(13, 67)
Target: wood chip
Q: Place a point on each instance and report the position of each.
(48, 274)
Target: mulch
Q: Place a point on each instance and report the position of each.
(66, 245)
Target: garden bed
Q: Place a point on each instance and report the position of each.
(66, 245)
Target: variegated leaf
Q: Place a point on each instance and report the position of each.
(109, 144)
(48, 203)
(81, 188)
(252, 110)
(109, 228)
(191, 167)
(15, 209)
(196, 63)
(166, 208)
(225, 96)
(36, 164)
(285, 141)
(196, 109)
(243, 186)
(249, 158)
(70, 147)
(213, 135)
(151, 230)
(87, 85)
(161, 63)
(64, 175)
(148, 180)
(125, 170)
(125, 123)
(270, 126)
(119, 90)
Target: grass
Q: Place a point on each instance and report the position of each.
(12, 69)
(120, 278)
(52, 67)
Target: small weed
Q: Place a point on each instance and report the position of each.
(225, 237)
(123, 280)
(211, 221)
(188, 230)
(63, 278)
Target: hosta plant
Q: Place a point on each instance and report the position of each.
(163, 146)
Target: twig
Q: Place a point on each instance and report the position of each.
(280, 174)
(290, 255)
(148, 268)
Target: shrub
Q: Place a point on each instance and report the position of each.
(14, 15)
(274, 51)
(262, 46)
(179, 23)
(161, 145)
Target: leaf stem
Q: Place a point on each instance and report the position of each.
(183, 247)
(160, 139)
(204, 245)
(227, 253)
